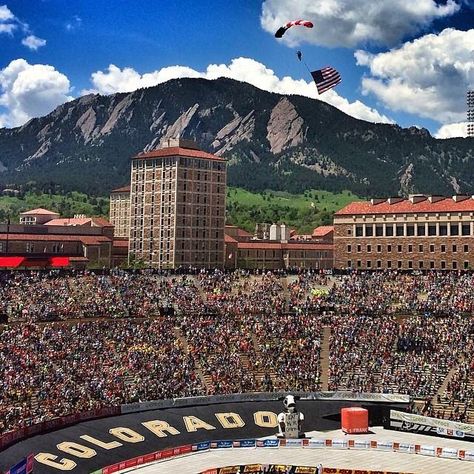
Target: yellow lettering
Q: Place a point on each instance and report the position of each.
(76, 449)
(126, 434)
(159, 427)
(101, 444)
(230, 420)
(193, 423)
(265, 419)
(49, 459)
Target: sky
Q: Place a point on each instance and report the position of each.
(408, 62)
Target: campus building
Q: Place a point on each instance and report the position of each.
(177, 207)
(119, 214)
(418, 233)
(277, 250)
(43, 240)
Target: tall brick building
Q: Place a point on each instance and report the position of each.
(418, 233)
(177, 207)
(120, 211)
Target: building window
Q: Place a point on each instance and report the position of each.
(389, 264)
(30, 247)
(410, 230)
(443, 265)
(466, 229)
(410, 264)
(349, 264)
(466, 265)
(400, 232)
(359, 231)
(455, 265)
(399, 248)
(379, 248)
(420, 264)
(432, 248)
(454, 228)
(359, 263)
(431, 264)
(389, 248)
(420, 248)
(455, 248)
(359, 248)
(443, 248)
(466, 248)
(432, 230)
(369, 264)
(349, 232)
(369, 248)
(399, 264)
(369, 231)
(443, 229)
(379, 230)
(379, 263)
(349, 248)
(420, 230)
(389, 230)
(410, 248)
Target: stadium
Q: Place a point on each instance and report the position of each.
(188, 372)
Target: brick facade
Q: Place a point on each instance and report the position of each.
(440, 238)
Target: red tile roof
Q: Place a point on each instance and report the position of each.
(124, 189)
(80, 221)
(229, 240)
(323, 230)
(178, 151)
(406, 206)
(41, 211)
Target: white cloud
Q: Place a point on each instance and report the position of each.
(33, 42)
(6, 14)
(74, 24)
(8, 21)
(248, 70)
(30, 90)
(354, 22)
(452, 130)
(428, 77)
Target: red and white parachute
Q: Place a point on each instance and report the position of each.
(282, 30)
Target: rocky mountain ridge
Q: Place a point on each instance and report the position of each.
(271, 141)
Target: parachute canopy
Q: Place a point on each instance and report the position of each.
(282, 30)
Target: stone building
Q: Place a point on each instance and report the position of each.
(119, 214)
(418, 233)
(177, 207)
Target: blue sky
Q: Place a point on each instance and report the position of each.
(402, 61)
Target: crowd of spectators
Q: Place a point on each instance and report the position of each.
(80, 341)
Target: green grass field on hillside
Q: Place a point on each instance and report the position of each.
(244, 209)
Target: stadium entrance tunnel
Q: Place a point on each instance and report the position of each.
(91, 445)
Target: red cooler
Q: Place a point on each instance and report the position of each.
(355, 420)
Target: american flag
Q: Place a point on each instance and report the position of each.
(326, 78)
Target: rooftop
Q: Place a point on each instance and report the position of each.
(177, 151)
(40, 211)
(414, 204)
(123, 189)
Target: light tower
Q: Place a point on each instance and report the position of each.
(470, 113)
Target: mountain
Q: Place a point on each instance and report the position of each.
(271, 141)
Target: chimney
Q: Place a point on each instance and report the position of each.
(394, 200)
(435, 198)
(460, 197)
(416, 198)
(375, 201)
